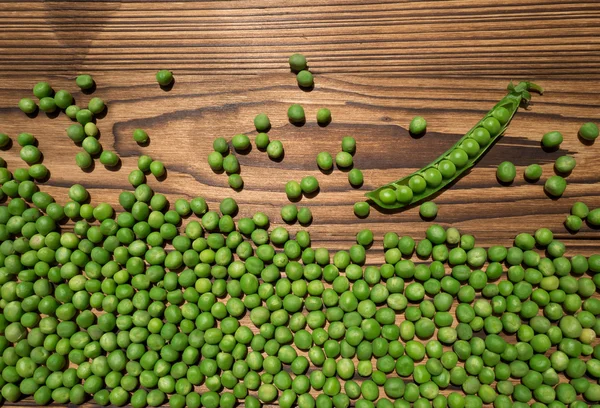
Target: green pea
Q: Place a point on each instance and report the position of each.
(589, 131)
(362, 209)
(309, 184)
(95, 105)
(573, 223)
(305, 79)
(348, 144)
(323, 116)
(262, 122)
(296, 114)
(297, 62)
(418, 126)
(428, 210)
(240, 142)
(506, 172)
(564, 164)
(343, 160)
(355, 177)
(140, 136)
(324, 161)
(84, 116)
(235, 181)
(275, 150)
(63, 99)
(47, 104)
(164, 77)
(83, 159)
(109, 159)
(84, 81)
(262, 141)
(555, 186)
(552, 140)
(533, 172)
(27, 105)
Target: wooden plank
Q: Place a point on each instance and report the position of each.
(376, 65)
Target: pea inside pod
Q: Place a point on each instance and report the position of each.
(462, 156)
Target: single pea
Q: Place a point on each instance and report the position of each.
(215, 161)
(164, 77)
(71, 111)
(262, 122)
(481, 136)
(296, 113)
(96, 105)
(323, 116)
(589, 131)
(84, 116)
(231, 164)
(533, 172)
(564, 164)
(38, 171)
(30, 154)
(140, 136)
(555, 186)
(580, 209)
(362, 209)
(387, 196)
(235, 181)
(293, 190)
(27, 105)
(324, 161)
(304, 215)
(76, 133)
(309, 184)
(4, 140)
(404, 194)
(343, 160)
(552, 139)
(297, 62)
(289, 213)
(355, 177)
(78, 193)
(91, 145)
(275, 150)
(593, 217)
(84, 81)
(63, 99)
(240, 142)
(90, 129)
(262, 141)
(573, 223)
(506, 172)
(305, 79)
(25, 139)
(83, 159)
(157, 168)
(47, 104)
(492, 125)
(418, 126)
(42, 90)
(348, 144)
(428, 210)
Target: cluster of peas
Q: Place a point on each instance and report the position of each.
(555, 185)
(84, 132)
(299, 65)
(110, 311)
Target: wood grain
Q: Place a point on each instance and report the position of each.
(376, 64)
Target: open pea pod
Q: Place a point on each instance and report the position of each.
(459, 158)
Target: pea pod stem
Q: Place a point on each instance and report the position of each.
(463, 155)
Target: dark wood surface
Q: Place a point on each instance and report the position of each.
(376, 65)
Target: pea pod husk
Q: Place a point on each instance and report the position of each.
(518, 95)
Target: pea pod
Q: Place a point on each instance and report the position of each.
(459, 158)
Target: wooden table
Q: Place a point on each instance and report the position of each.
(376, 65)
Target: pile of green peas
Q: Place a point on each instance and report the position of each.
(191, 306)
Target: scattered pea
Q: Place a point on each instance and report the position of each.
(418, 126)
(305, 79)
(555, 186)
(164, 77)
(84, 81)
(140, 136)
(297, 62)
(506, 172)
(296, 114)
(533, 172)
(323, 116)
(589, 131)
(552, 140)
